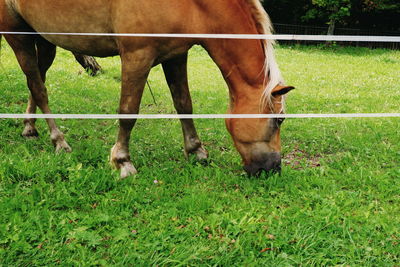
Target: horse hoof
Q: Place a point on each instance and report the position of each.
(201, 154)
(127, 169)
(120, 160)
(30, 132)
(62, 146)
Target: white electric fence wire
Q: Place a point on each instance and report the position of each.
(293, 37)
(196, 116)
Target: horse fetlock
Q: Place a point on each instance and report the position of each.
(118, 156)
(30, 131)
(192, 144)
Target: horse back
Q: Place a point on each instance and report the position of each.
(69, 16)
(103, 16)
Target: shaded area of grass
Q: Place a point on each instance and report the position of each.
(72, 209)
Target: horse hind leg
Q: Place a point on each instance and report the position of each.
(27, 56)
(88, 63)
(46, 53)
(175, 71)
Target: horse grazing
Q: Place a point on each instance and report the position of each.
(248, 66)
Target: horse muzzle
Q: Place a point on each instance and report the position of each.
(267, 162)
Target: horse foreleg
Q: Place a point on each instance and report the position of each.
(46, 53)
(176, 74)
(135, 69)
(25, 51)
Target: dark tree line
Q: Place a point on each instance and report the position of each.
(381, 15)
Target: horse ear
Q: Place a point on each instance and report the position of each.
(281, 90)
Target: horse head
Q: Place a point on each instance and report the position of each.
(258, 140)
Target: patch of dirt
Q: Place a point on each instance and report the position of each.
(299, 159)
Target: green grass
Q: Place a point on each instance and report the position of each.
(337, 201)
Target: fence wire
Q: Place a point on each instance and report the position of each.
(293, 37)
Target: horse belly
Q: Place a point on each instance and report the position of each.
(72, 16)
(92, 46)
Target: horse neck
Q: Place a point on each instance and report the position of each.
(242, 62)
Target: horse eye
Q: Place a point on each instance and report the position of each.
(279, 121)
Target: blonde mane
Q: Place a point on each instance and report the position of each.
(271, 69)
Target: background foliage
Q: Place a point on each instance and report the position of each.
(378, 14)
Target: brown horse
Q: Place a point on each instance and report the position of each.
(248, 66)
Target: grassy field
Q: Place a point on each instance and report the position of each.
(337, 201)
